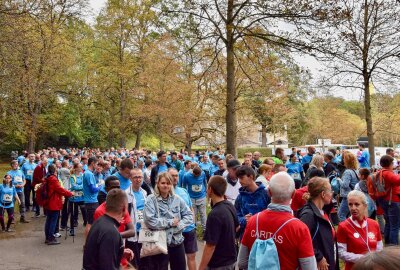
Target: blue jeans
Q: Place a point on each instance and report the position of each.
(343, 209)
(392, 222)
(51, 222)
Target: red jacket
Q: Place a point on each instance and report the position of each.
(392, 181)
(56, 192)
(38, 174)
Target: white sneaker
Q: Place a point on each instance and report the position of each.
(57, 235)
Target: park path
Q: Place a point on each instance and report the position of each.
(25, 249)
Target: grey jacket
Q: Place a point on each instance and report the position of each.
(170, 208)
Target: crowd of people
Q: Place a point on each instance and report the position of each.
(301, 211)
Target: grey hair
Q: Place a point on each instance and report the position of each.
(360, 194)
(317, 161)
(282, 187)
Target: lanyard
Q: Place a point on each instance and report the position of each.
(356, 233)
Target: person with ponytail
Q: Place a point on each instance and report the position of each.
(323, 234)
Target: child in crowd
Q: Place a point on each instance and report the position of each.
(7, 195)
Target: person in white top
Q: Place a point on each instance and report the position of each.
(232, 190)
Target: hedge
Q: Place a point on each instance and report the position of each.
(265, 152)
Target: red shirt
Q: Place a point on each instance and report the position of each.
(293, 241)
(350, 233)
(392, 181)
(298, 201)
(101, 210)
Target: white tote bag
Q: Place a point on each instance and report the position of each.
(153, 241)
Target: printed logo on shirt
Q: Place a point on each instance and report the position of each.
(29, 172)
(7, 198)
(371, 236)
(197, 188)
(267, 235)
(18, 180)
(78, 193)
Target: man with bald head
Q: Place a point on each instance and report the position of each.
(291, 236)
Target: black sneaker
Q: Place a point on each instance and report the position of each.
(53, 242)
(71, 233)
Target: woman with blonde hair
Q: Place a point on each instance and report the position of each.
(348, 182)
(164, 210)
(358, 235)
(316, 169)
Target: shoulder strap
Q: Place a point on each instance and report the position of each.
(257, 225)
(283, 225)
(315, 234)
(356, 175)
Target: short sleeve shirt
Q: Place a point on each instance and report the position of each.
(101, 210)
(220, 231)
(293, 241)
(356, 238)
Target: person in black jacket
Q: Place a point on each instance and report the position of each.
(317, 220)
(161, 166)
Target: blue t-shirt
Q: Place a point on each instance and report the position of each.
(7, 195)
(162, 168)
(181, 174)
(195, 186)
(76, 184)
(181, 192)
(294, 170)
(124, 183)
(18, 178)
(140, 200)
(20, 159)
(363, 159)
(213, 168)
(88, 195)
(28, 168)
(205, 166)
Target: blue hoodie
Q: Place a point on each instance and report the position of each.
(250, 203)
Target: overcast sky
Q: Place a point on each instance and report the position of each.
(305, 61)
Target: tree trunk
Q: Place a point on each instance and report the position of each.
(138, 139)
(188, 143)
(231, 125)
(122, 127)
(367, 94)
(263, 135)
(368, 119)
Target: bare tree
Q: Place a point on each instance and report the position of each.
(223, 23)
(361, 48)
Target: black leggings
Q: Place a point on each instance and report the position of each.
(10, 213)
(176, 258)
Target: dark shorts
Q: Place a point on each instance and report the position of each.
(90, 209)
(190, 242)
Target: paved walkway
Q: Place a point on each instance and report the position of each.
(25, 249)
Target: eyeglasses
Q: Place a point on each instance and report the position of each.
(174, 175)
(137, 177)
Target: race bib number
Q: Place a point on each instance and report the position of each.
(295, 176)
(29, 172)
(140, 216)
(78, 193)
(197, 188)
(7, 198)
(18, 180)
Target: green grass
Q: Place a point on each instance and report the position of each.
(4, 168)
